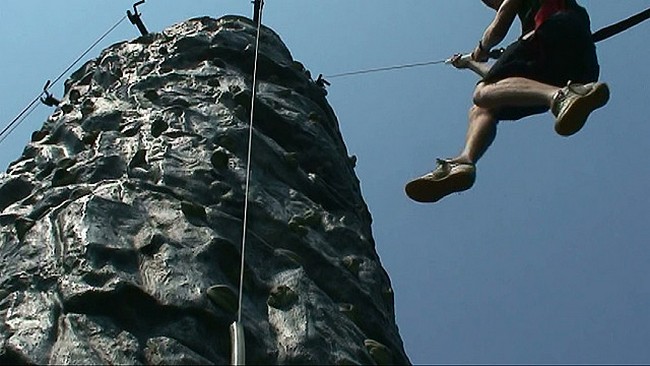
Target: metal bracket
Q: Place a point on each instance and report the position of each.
(135, 18)
(257, 9)
(238, 345)
(49, 99)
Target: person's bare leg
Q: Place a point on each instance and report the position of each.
(509, 92)
(514, 92)
(481, 132)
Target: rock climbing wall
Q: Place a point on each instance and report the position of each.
(121, 223)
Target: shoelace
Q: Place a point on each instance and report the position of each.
(447, 163)
(561, 95)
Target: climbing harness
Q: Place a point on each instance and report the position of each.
(11, 126)
(135, 18)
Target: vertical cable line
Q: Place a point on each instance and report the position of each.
(248, 166)
(11, 126)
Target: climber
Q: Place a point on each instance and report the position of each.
(553, 65)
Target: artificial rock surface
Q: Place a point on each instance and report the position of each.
(121, 223)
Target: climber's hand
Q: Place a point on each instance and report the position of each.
(459, 61)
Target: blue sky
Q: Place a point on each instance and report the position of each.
(545, 260)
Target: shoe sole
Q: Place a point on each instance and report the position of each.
(576, 117)
(429, 191)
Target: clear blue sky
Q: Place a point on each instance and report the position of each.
(545, 260)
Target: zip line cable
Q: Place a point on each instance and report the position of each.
(368, 71)
(494, 54)
(109, 31)
(11, 126)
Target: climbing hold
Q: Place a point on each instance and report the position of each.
(39, 135)
(243, 98)
(292, 159)
(345, 361)
(312, 218)
(139, 159)
(298, 66)
(152, 95)
(219, 159)
(90, 137)
(80, 192)
(289, 255)
(285, 93)
(350, 311)
(379, 352)
(74, 95)
(226, 142)
(87, 107)
(193, 211)
(152, 246)
(158, 127)
(165, 69)
(296, 226)
(314, 117)
(23, 224)
(299, 223)
(352, 263)
(132, 130)
(388, 295)
(353, 161)
(67, 108)
(63, 177)
(224, 297)
(282, 297)
(219, 188)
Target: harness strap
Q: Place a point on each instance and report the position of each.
(621, 26)
(547, 9)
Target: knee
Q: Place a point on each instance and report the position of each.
(480, 96)
(477, 112)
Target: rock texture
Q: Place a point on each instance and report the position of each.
(121, 223)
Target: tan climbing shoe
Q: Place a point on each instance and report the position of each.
(447, 178)
(573, 104)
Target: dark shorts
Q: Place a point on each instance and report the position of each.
(561, 50)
